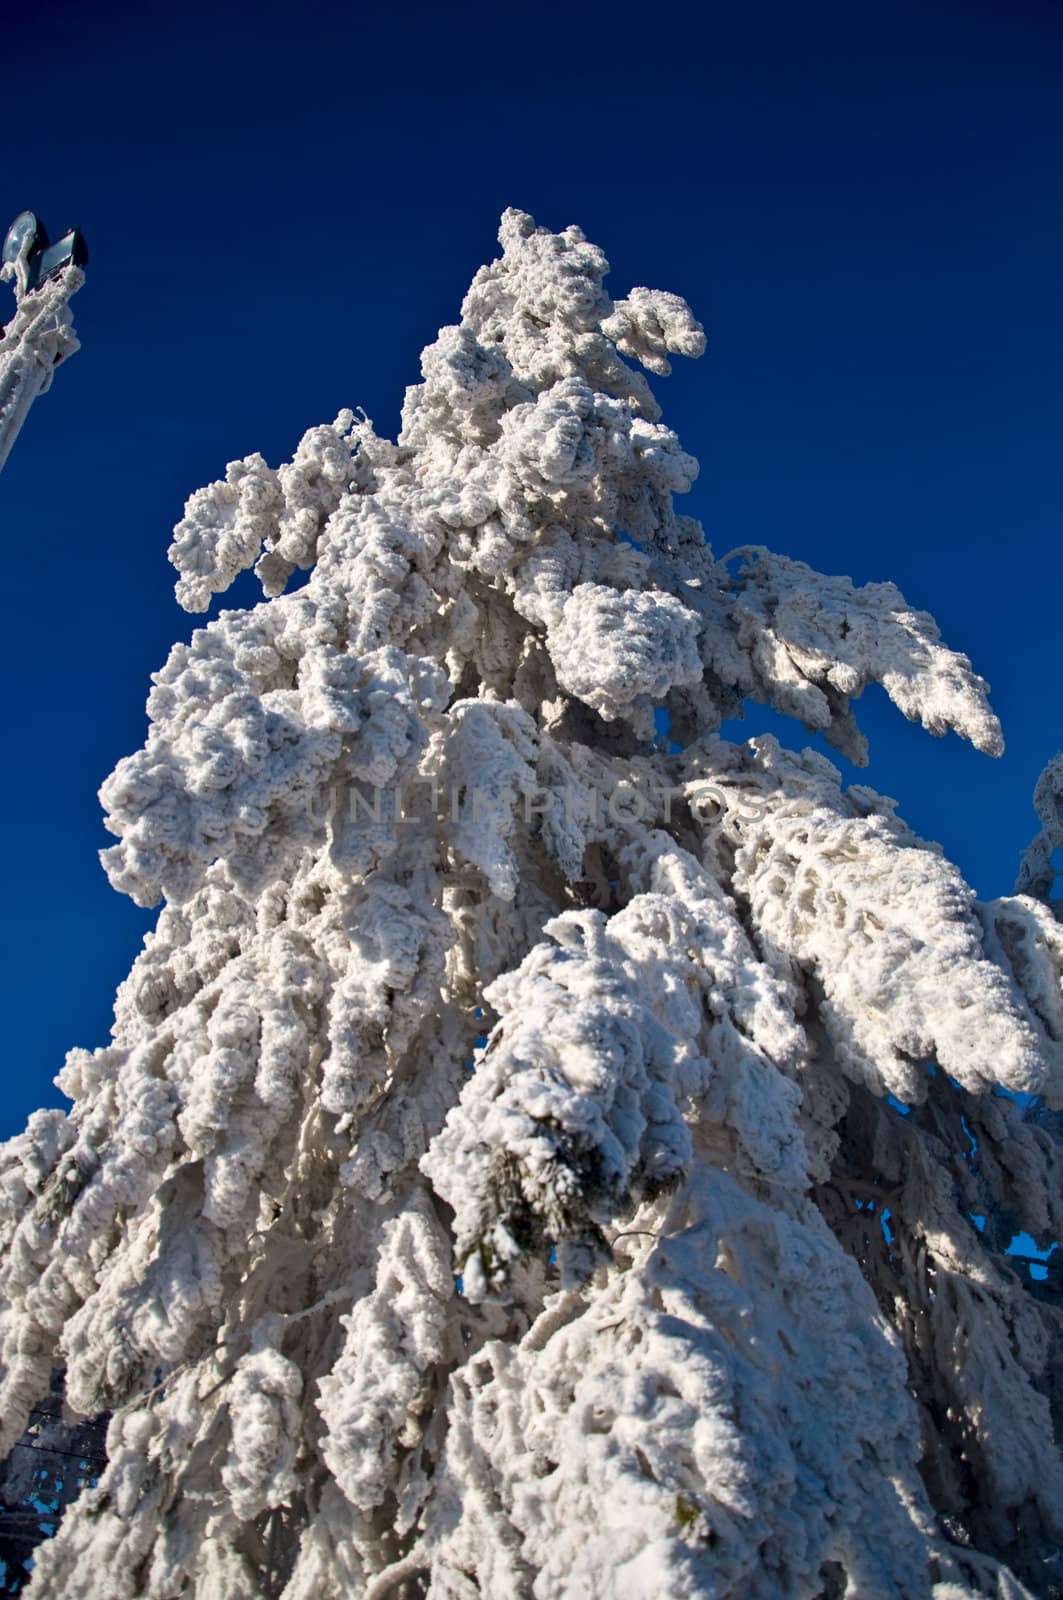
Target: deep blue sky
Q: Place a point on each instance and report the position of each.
(861, 202)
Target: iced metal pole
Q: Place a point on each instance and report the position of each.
(41, 334)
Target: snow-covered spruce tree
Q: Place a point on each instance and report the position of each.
(732, 1015)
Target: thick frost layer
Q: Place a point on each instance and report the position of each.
(647, 1413)
(1038, 870)
(605, 1038)
(688, 1065)
(34, 342)
(890, 933)
(813, 643)
(269, 519)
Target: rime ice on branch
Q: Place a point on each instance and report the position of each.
(723, 1323)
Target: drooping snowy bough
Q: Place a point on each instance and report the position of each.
(539, 1156)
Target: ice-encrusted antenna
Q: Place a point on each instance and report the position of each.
(41, 334)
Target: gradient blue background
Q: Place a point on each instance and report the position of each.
(861, 202)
